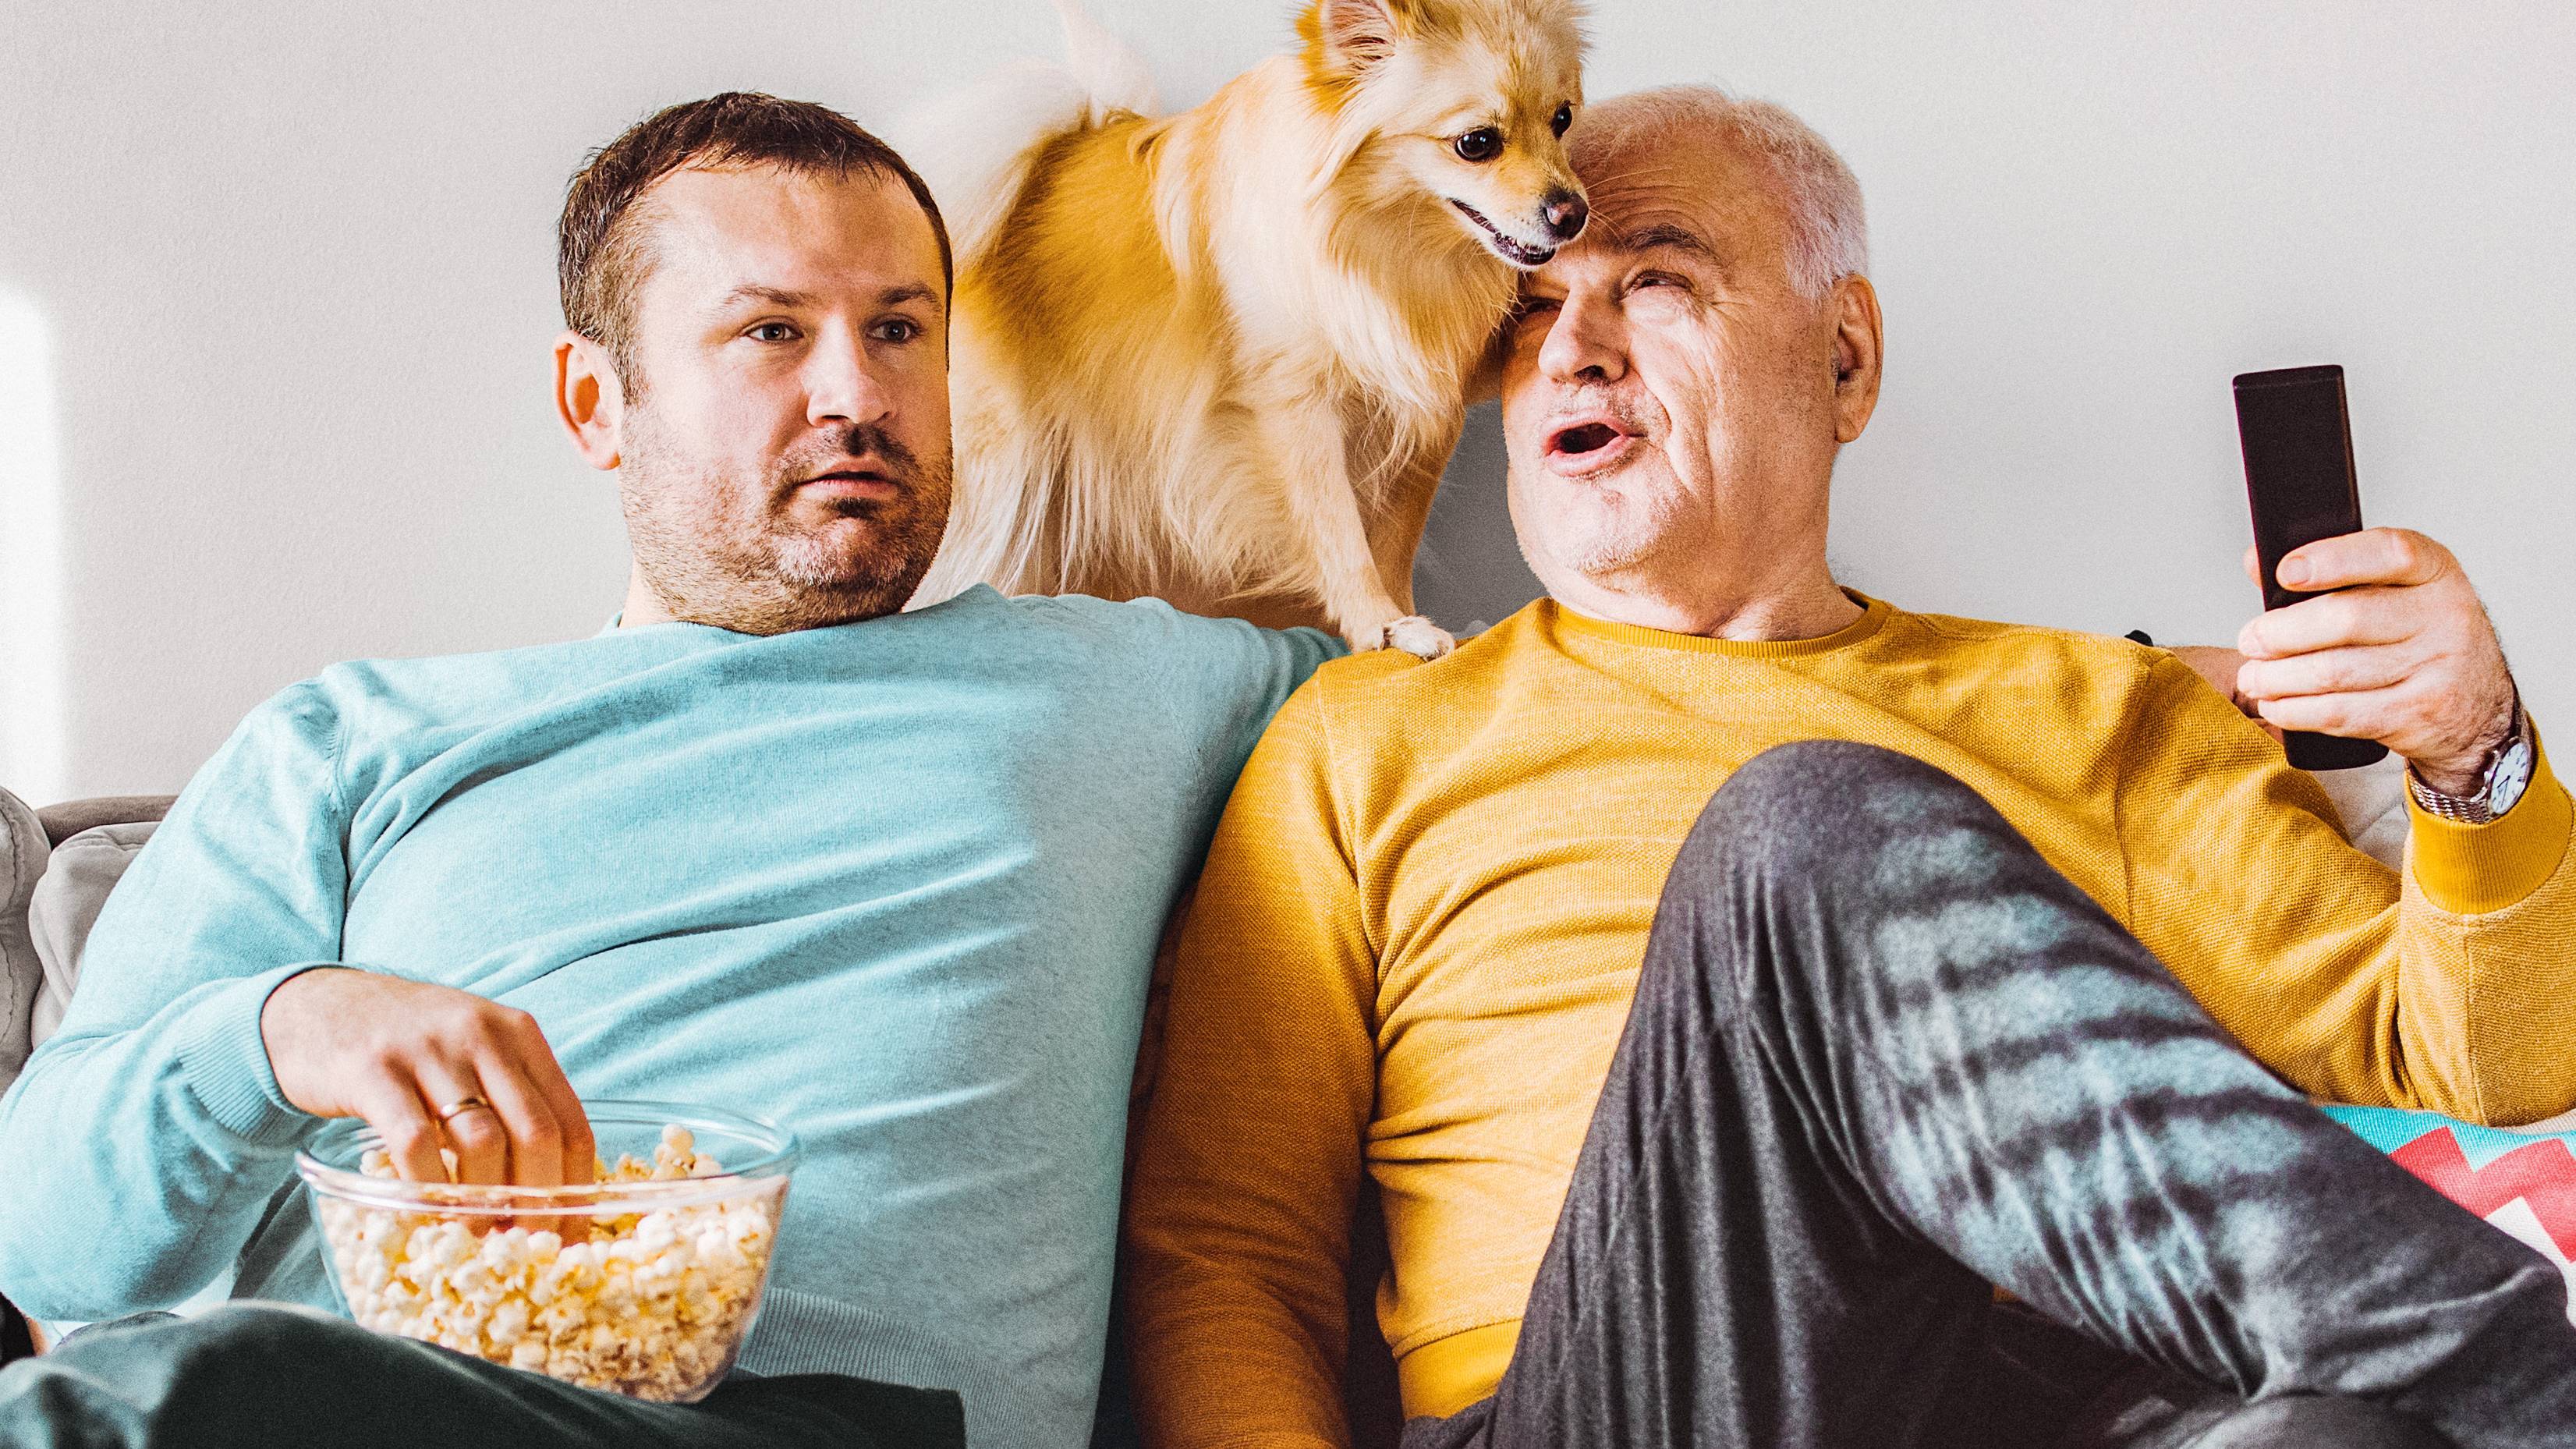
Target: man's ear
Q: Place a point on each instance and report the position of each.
(590, 399)
(1859, 350)
(1358, 34)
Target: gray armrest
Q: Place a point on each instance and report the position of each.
(24, 852)
(70, 818)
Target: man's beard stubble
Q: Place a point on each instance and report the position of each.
(718, 550)
(1610, 538)
(1634, 533)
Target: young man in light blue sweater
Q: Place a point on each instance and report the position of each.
(891, 880)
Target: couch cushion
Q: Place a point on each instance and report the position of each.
(23, 854)
(71, 817)
(66, 904)
(2372, 801)
(2522, 1180)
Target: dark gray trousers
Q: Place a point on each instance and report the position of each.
(269, 1377)
(1882, 1057)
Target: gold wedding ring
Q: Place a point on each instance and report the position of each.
(462, 1104)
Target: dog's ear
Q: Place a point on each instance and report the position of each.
(1358, 34)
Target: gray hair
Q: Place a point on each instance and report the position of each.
(1828, 227)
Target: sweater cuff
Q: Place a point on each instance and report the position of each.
(224, 1061)
(2470, 870)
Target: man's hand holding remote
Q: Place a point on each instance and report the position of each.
(429, 1067)
(2403, 653)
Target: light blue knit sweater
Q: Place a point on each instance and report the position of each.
(896, 885)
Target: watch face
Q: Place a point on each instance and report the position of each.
(2512, 775)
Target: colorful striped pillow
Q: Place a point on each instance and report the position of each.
(2522, 1181)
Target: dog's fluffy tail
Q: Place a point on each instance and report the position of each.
(1112, 76)
(974, 146)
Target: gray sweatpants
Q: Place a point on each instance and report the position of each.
(1883, 1057)
(265, 1376)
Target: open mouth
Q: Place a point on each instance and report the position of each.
(1594, 444)
(1518, 253)
(1584, 438)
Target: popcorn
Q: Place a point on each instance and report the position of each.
(648, 1304)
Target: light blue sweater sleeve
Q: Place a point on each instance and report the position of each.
(145, 1138)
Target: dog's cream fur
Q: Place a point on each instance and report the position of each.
(1222, 357)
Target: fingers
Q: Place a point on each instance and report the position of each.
(528, 1120)
(2401, 652)
(476, 1132)
(2396, 557)
(514, 1130)
(2355, 715)
(2356, 618)
(580, 1152)
(549, 1135)
(525, 1124)
(403, 1125)
(2326, 671)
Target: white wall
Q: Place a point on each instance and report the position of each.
(276, 293)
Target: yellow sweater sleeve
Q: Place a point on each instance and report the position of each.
(1249, 1157)
(2356, 983)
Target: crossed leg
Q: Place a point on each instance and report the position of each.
(1884, 1057)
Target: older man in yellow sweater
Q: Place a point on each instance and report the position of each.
(1721, 1126)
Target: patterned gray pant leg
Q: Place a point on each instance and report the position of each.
(1883, 1055)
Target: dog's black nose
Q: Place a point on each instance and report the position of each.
(1565, 214)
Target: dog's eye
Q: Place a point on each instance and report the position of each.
(1564, 118)
(1481, 144)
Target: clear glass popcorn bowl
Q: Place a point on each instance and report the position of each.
(642, 1283)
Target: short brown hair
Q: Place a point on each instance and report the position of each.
(597, 257)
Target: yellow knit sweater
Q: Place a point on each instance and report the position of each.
(1412, 951)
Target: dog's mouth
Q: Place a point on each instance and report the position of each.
(1518, 253)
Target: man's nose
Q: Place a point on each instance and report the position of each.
(1585, 343)
(1565, 212)
(839, 387)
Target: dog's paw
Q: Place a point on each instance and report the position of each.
(1415, 635)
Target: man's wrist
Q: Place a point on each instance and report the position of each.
(2490, 783)
(223, 1056)
(2453, 782)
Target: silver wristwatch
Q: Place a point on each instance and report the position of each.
(2500, 784)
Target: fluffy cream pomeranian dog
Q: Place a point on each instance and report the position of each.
(1222, 356)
